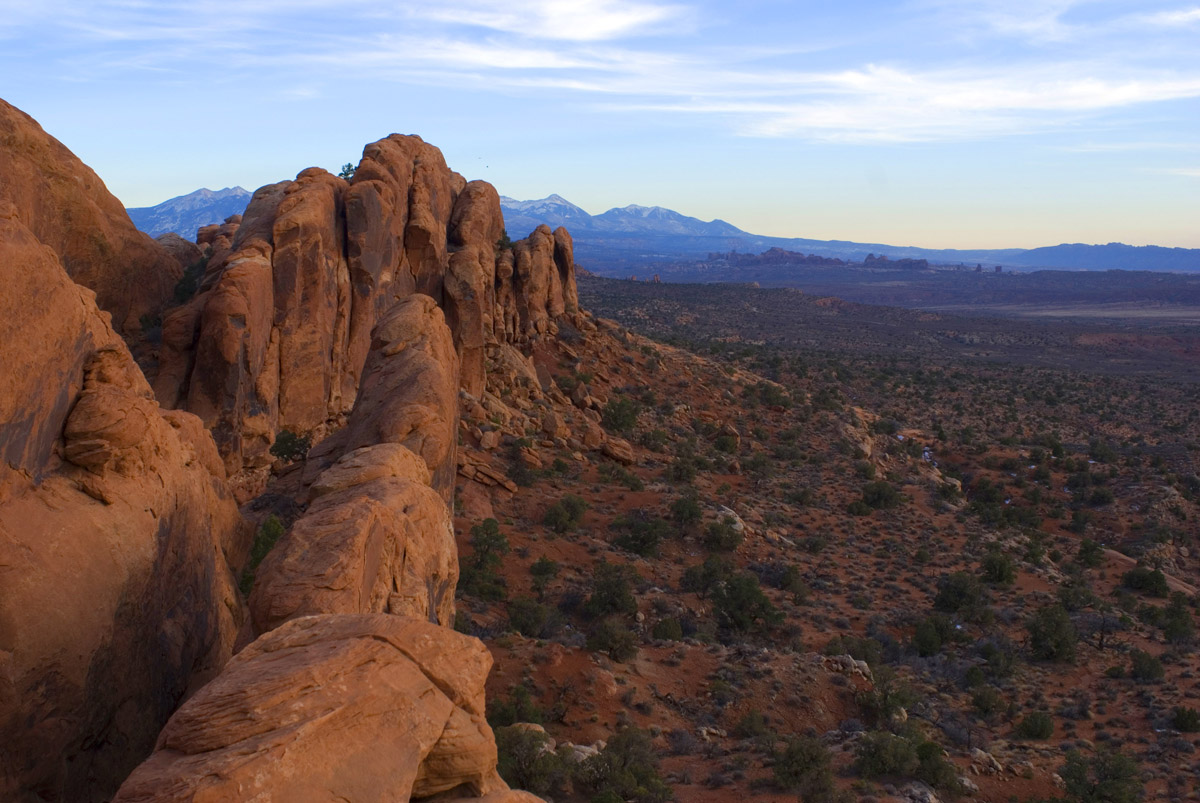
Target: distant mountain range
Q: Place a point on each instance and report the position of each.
(632, 239)
(187, 213)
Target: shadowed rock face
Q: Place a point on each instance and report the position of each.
(67, 207)
(116, 533)
(280, 334)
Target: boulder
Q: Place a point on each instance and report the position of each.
(386, 546)
(619, 450)
(335, 707)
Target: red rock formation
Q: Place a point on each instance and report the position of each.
(350, 707)
(377, 537)
(279, 337)
(116, 534)
(350, 312)
(338, 699)
(67, 207)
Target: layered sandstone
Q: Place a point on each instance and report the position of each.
(279, 336)
(67, 207)
(116, 538)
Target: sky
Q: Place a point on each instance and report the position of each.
(935, 123)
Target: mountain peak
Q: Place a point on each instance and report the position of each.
(184, 214)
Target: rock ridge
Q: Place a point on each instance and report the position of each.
(278, 336)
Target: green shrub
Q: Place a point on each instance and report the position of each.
(931, 634)
(613, 636)
(565, 514)
(1186, 720)
(859, 508)
(753, 724)
(1144, 667)
(1142, 578)
(726, 443)
(524, 761)
(620, 415)
(959, 592)
(189, 282)
(478, 575)
(1178, 626)
(723, 535)
(531, 618)
(611, 472)
(625, 771)
(543, 571)
(656, 440)
(864, 469)
(518, 707)
(988, 702)
(880, 495)
(611, 591)
(803, 767)
(641, 533)
(265, 538)
(935, 769)
(1036, 725)
(668, 629)
(1105, 777)
(741, 606)
(686, 511)
(998, 569)
(703, 578)
(885, 698)
(880, 753)
(860, 648)
(1052, 636)
(289, 446)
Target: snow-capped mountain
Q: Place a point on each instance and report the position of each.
(657, 220)
(520, 217)
(186, 213)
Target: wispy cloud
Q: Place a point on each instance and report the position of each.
(1040, 20)
(579, 20)
(885, 104)
(1190, 172)
(1177, 17)
(592, 53)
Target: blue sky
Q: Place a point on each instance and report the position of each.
(939, 123)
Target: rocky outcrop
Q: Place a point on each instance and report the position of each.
(116, 538)
(185, 252)
(351, 312)
(279, 336)
(378, 536)
(357, 688)
(349, 707)
(67, 207)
